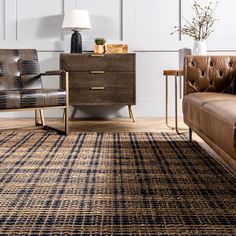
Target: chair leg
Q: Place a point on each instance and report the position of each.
(42, 117)
(190, 135)
(36, 117)
(65, 131)
(65, 111)
(39, 118)
(65, 118)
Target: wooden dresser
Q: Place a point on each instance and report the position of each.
(100, 79)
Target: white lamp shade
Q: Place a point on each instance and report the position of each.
(76, 19)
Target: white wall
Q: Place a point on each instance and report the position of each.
(144, 24)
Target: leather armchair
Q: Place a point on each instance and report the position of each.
(21, 86)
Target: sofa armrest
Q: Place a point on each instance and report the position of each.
(209, 74)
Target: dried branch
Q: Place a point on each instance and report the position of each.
(201, 25)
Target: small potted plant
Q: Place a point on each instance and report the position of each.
(99, 45)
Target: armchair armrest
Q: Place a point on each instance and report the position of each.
(53, 72)
(63, 78)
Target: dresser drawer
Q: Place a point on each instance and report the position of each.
(88, 62)
(100, 96)
(108, 79)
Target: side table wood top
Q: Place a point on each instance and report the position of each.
(173, 72)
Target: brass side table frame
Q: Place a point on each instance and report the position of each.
(177, 74)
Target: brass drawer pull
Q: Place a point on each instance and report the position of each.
(97, 72)
(97, 55)
(97, 88)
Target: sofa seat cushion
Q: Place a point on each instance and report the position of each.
(214, 115)
(30, 98)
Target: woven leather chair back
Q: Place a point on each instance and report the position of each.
(19, 69)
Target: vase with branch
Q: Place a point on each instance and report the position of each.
(201, 25)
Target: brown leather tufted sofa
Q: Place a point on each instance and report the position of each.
(21, 85)
(209, 104)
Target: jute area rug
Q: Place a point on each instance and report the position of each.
(112, 184)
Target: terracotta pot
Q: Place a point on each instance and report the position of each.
(99, 49)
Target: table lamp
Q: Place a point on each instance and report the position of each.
(76, 20)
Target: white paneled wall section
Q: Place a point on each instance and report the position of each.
(144, 24)
(2, 20)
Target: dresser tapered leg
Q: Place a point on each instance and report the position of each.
(131, 114)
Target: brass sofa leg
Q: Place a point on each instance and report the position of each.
(190, 135)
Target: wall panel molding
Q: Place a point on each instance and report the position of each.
(10, 20)
(12, 27)
(180, 18)
(173, 42)
(69, 4)
(212, 45)
(127, 27)
(2, 19)
(42, 22)
(42, 45)
(128, 21)
(121, 20)
(106, 19)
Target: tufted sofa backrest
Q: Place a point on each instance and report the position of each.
(210, 74)
(19, 69)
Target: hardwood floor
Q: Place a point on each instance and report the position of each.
(107, 125)
(96, 125)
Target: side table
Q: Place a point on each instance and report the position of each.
(177, 74)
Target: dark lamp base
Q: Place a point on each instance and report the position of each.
(76, 42)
